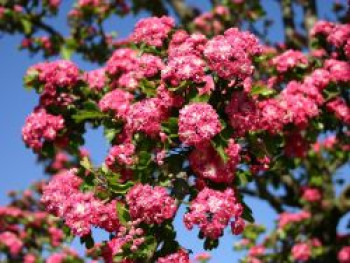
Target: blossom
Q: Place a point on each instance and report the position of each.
(62, 197)
(243, 113)
(123, 154)
(96, 79)
(61, 73)
(339, 70)
(181, 256)
(301, 251)
(344, 255)
(311, 194)
(206, 163)
(152, 31)
(340, 109)
(146, 116)
(151, 205)
(12, 242)
(198, 123)
(40, 126)
(289, 60)
(117, 101)
(202, 256)
(256, 251)
(212, 210)
(286, 218)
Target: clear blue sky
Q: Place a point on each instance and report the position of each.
(18, 165)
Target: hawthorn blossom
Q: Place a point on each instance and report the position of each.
(96, 79)
(40, 126)
(181, 256)
(117, 101)
(152, 31)
(212, 210)
(152, 205)
(198, 123)
(289, 60)
(301, 251)
(344, 255)
(340, 109)
(122, 154)
(311, 194)
(12, 242)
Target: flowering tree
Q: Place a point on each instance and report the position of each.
(199, 113)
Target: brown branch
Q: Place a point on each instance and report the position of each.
(344, 200)
(183, 11)
(310, 16)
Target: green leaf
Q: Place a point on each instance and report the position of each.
(66, 52)
(84, 115)
(262, 90)
(243, 177)
(85, 162)
(123, 213)
(27, 26)
(119, 188)
(247, 213)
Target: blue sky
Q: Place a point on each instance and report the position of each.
(19, 168)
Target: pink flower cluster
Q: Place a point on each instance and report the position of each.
(185, 62)
(96, 79)
(286, 218)
(230, 54)
(198, 124)
(151, 205)
(340, 109)
(180, 256)
(80, 211)
(121, 154)
(127, 68)
(117, 101)
(206, 163)
(132, 235)
(146, 116)
(212, 22)
(344, 255)
(335, 34)
(311, 194)
(289, 60)
(61, 73)
(12, 242)
(40, 126)
(152, 31)
(212, 211)
(301, 251)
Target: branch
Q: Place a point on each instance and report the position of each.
(344, 200)
(310, 16)
(183, 11)
(290, 33)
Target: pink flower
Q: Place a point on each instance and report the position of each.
(243, 113)
(12, 242)
(212, 210)
(311, 194)
(202, 256)
(301, 251)
(198, 124)
(287, 218)
(29, 258)
(179, 257)
(344, 255)
(340, 109)
(96, 79)
(256, 251)
(117, 101)
(152, 31)
(152, 205)
(122, 154)
(40, 126)
(289, 60)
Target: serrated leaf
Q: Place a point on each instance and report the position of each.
(27, 26)
(84, 115)
(262, 91)
(123, 213)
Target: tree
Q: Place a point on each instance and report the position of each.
(199, 113)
